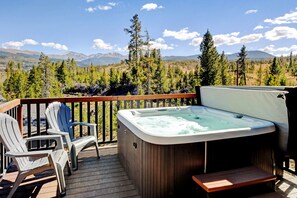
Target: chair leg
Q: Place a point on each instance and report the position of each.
(3, 174)
(74, 159)
(97, 150)
(69, 168)
(60, 179)
(18, 181)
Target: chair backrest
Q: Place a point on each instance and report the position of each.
(11, 138)
(58, 117)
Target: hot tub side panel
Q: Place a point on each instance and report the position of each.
(166, 170)
(160, 170)
(239, 152)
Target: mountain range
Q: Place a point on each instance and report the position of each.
(29, 58)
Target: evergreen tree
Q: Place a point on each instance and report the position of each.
(93, 77)
(114, 79)
(72, 66)
(171, 79)
(135, 51)
(224, 70)
(35, 83)
(125, 78)
(209, 61)
(159, 77)
(62, 73)
(136, 42)
(44, 65)
(242, 65)
(15, 84)
(275, 67)
(260, 75)
(273, 74)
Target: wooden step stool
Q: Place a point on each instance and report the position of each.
(232, 179)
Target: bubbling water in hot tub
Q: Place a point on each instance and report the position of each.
(184, 121)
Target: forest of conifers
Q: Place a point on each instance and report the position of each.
(144, 72)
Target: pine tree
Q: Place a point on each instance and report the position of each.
(274, 73)
(44, 66)
(72, 66)
(242, 65)
(159, 76)
(260, 75)
(136, 42)
(35, 83)
(135, 51)
(93, 77)
(62, 73)
(224, 70)
(15, 84)
(209, 61)
(114, 79)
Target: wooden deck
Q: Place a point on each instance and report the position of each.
(100, 178)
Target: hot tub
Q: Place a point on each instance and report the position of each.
(179, 125)
(160, 148)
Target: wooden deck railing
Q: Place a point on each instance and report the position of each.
(99, 109)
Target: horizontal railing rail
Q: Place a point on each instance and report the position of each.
(97, 109)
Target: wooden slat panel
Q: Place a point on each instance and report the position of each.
(110, 120)
(80, 118)
(231, 179)
(103, 120)
(88, 115)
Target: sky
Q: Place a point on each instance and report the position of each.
(176, 27)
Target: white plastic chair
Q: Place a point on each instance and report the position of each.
(58, 117)
(31, 162)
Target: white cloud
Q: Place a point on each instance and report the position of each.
(29, 42)
(89, 1)
(285, 19)
(109, 6)
(160, 44)
(196, 41)
(90, 9)
(106, 7)
(122, 49)
(281, 32)
(18, 44)
(183, 34)
(251, 11)
(281, 50)
(112, 4)
(151, 6)
(100, 44)
(251, 38)
(12, 45)
(233, 38)
(55, 46)
(258, 27)
(226, 39)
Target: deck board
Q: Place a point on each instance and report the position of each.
(100, 178)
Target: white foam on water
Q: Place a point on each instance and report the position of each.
(169, 125)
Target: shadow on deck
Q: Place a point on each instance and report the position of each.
(100, 178)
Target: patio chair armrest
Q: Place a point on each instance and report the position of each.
(54, 132)
(92, 126)
(36, 154)
(63, 134)
(57, 138)
(83, 124)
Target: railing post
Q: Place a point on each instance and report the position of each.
(20, 117)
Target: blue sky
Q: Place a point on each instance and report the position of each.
(177, 27)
